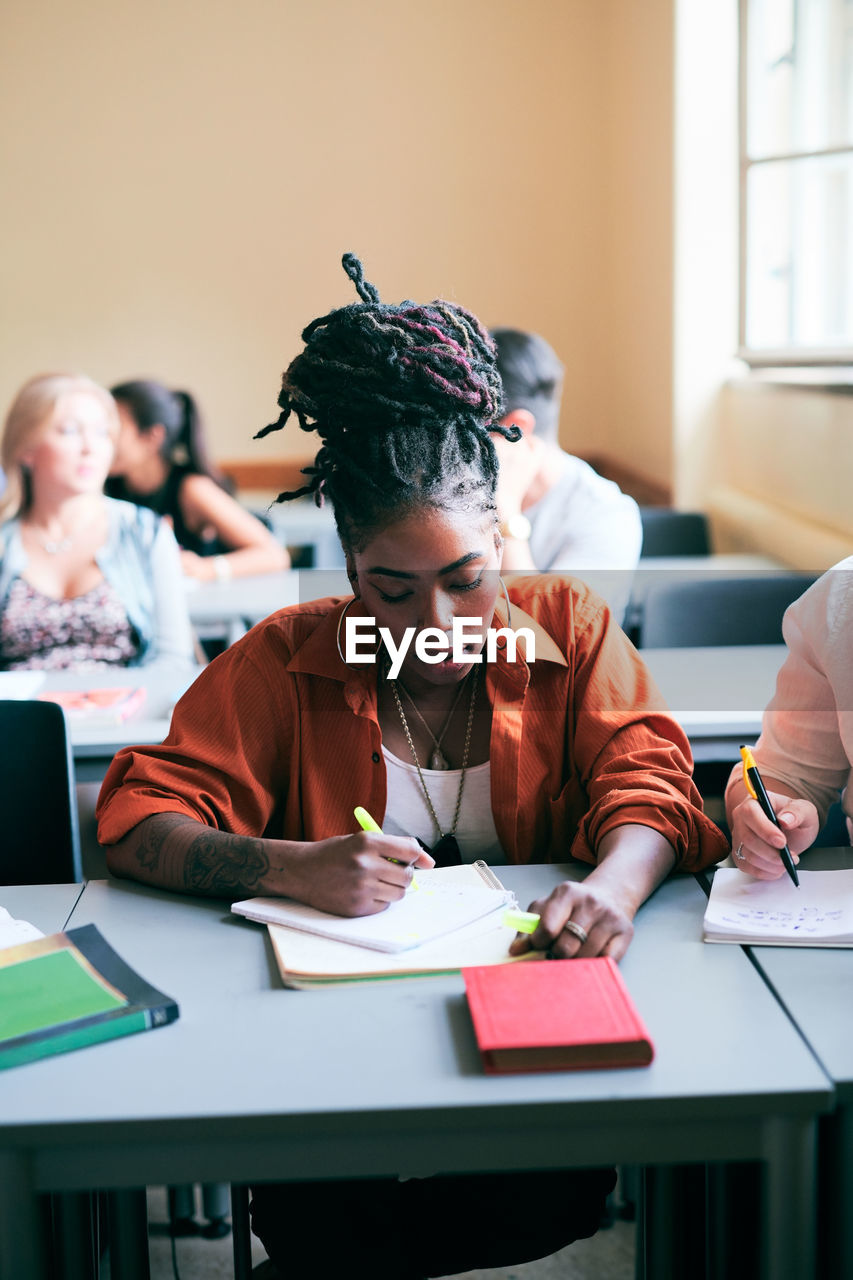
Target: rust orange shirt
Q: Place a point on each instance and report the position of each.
(278, 737)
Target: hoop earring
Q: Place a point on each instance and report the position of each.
(338, 632)
(508, 605)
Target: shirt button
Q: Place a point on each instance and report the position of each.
(375, 757)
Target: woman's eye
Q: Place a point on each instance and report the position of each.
(467, 586)
(394, 599)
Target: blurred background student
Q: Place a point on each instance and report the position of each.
(161, 462)
(556, 513)
(84, 581)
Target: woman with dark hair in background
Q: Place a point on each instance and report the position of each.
(161, 461)
(512, 760)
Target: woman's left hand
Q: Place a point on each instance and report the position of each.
(578, 919)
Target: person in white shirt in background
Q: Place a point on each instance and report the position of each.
(805, 752)
(557, 514)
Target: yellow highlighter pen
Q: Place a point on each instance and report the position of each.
(521, 921)
(367, 823)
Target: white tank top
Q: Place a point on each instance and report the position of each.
(407, 813)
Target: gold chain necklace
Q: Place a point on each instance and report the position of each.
(437, 760)
(465, 753)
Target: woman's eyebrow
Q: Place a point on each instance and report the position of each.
(449, 568)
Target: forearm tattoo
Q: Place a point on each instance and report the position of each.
(155, 831)
(221, 864)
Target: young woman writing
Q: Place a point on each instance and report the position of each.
(270, 751)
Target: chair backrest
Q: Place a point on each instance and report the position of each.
(716, 611)
(39, 834)
(674, 533)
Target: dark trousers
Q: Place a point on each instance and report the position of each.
(384, 1229)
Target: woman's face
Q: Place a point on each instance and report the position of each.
(74, 449)
(426, 570)
(134, 448)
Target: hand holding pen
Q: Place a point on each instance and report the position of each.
(758, 828)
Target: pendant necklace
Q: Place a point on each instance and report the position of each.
(446, 851)
(437, 759)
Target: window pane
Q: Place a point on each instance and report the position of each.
(799, 288)
(799, 75)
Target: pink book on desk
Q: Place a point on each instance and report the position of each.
(556, 1016)
(101, 706)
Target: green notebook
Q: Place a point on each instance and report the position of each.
(70, 990)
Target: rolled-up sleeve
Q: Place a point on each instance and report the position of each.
(633, 758)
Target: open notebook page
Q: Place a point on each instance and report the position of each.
(439, 904)
(818, 913)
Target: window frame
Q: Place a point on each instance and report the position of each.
(782, 357)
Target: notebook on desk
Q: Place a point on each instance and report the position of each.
(307, 959)
(438, 902)
(775, 913)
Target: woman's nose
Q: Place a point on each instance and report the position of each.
(438, 612)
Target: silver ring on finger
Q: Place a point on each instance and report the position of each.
(577, 929)
(739, 853)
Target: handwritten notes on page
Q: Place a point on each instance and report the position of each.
(777, 913)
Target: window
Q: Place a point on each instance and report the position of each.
(796, 185)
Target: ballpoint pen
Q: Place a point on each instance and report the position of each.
(755, 787)
(367, 823)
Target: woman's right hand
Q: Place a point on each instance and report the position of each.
(756, 842)
(355, 875)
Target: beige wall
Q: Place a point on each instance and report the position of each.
(184, 177)
(634, 366)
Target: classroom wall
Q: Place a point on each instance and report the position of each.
(184, 177)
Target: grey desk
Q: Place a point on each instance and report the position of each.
(816, 987)
(717, 693)
(254, 1082)
(47, 906)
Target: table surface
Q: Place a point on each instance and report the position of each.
(815, 985)
(256, 1080)
(47, 906)
(713, 684)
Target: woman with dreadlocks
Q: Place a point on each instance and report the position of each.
(512, 760)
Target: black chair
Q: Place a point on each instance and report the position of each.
(719, 611)
(674, 533)
(38, 800)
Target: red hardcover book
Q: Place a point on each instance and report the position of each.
(559, 1015)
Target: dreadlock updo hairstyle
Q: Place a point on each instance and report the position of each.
(403, 399)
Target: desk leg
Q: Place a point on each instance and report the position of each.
(788, 1245)
(21, 1220)
(129, 1235)
(836, 1194)
(671, 1222)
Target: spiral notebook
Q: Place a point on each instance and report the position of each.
(439, 902)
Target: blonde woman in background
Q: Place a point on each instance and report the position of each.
(85, 581)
